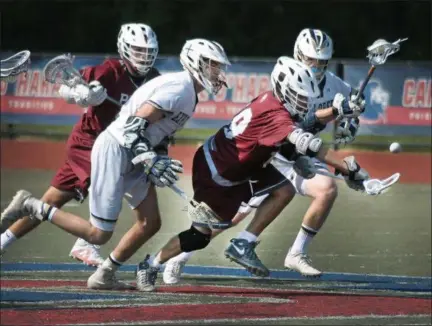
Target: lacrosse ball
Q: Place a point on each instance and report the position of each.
(395, 148)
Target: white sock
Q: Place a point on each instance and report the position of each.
(184, 256)
(40, 210)
(304, 237)
(250, 237)
(155, 261)
(7, 238)
(112, 263)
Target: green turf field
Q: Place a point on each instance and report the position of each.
(388, 234)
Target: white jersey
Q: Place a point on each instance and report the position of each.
(174, 93)
(332, 85)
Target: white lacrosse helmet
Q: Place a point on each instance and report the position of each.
(207, 62)
(295, 85)
(138, 47)
(314, 48)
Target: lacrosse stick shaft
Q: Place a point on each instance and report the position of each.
(366, 81)
(179, 192)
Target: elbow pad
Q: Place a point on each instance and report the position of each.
(305, 143)
(134, 135)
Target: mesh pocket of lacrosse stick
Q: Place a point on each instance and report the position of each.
(60, 70)
(202, 215)
(11, 67)
(375, 186)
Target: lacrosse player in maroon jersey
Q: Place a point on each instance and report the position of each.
(314, 48)
(233, 165)
(119, 78)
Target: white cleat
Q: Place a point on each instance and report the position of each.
(105, 279)
(301, 263)
(173, 271)
(87, 253)
(16, 208)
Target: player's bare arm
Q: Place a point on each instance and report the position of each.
(150, 112)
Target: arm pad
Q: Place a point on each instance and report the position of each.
(305, 143)
(134, 135)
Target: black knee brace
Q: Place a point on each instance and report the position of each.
(193, 239)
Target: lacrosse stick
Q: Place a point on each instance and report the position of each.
(372, 187)
(60, 70)
(304, 166)
(200, 213)
(15, 65)
(378, 53)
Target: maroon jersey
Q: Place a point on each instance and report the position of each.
(239, 150)
(112, 74)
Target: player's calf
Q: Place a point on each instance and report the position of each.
(24, 204)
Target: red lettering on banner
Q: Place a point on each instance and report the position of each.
(264, 83)
(45, 88)
(417, 94)
(408, 93)
(420, 93)
(428, 99)
(252, 83)
(3, 87)
(238, 95)
(22, 84)
(34, 84)
(54, 90)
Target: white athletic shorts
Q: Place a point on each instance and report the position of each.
(113, 177)
(286, 168)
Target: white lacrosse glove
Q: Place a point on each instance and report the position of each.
(344, 108)
(67, 93)
(161, 169)
(92, 95)
(356, 174)
(346, 131)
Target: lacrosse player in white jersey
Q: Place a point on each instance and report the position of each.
(336, 101)
(124, 164)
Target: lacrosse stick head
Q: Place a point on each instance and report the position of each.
(202, 215)
(15, 65)
(375, 187)
(381, 49)
(60, 70)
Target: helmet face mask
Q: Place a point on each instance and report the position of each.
(295, 85)
(317, 66)
(138, 47)
(296, 104)
(214, 73)
(314, 48)
(207, 62)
